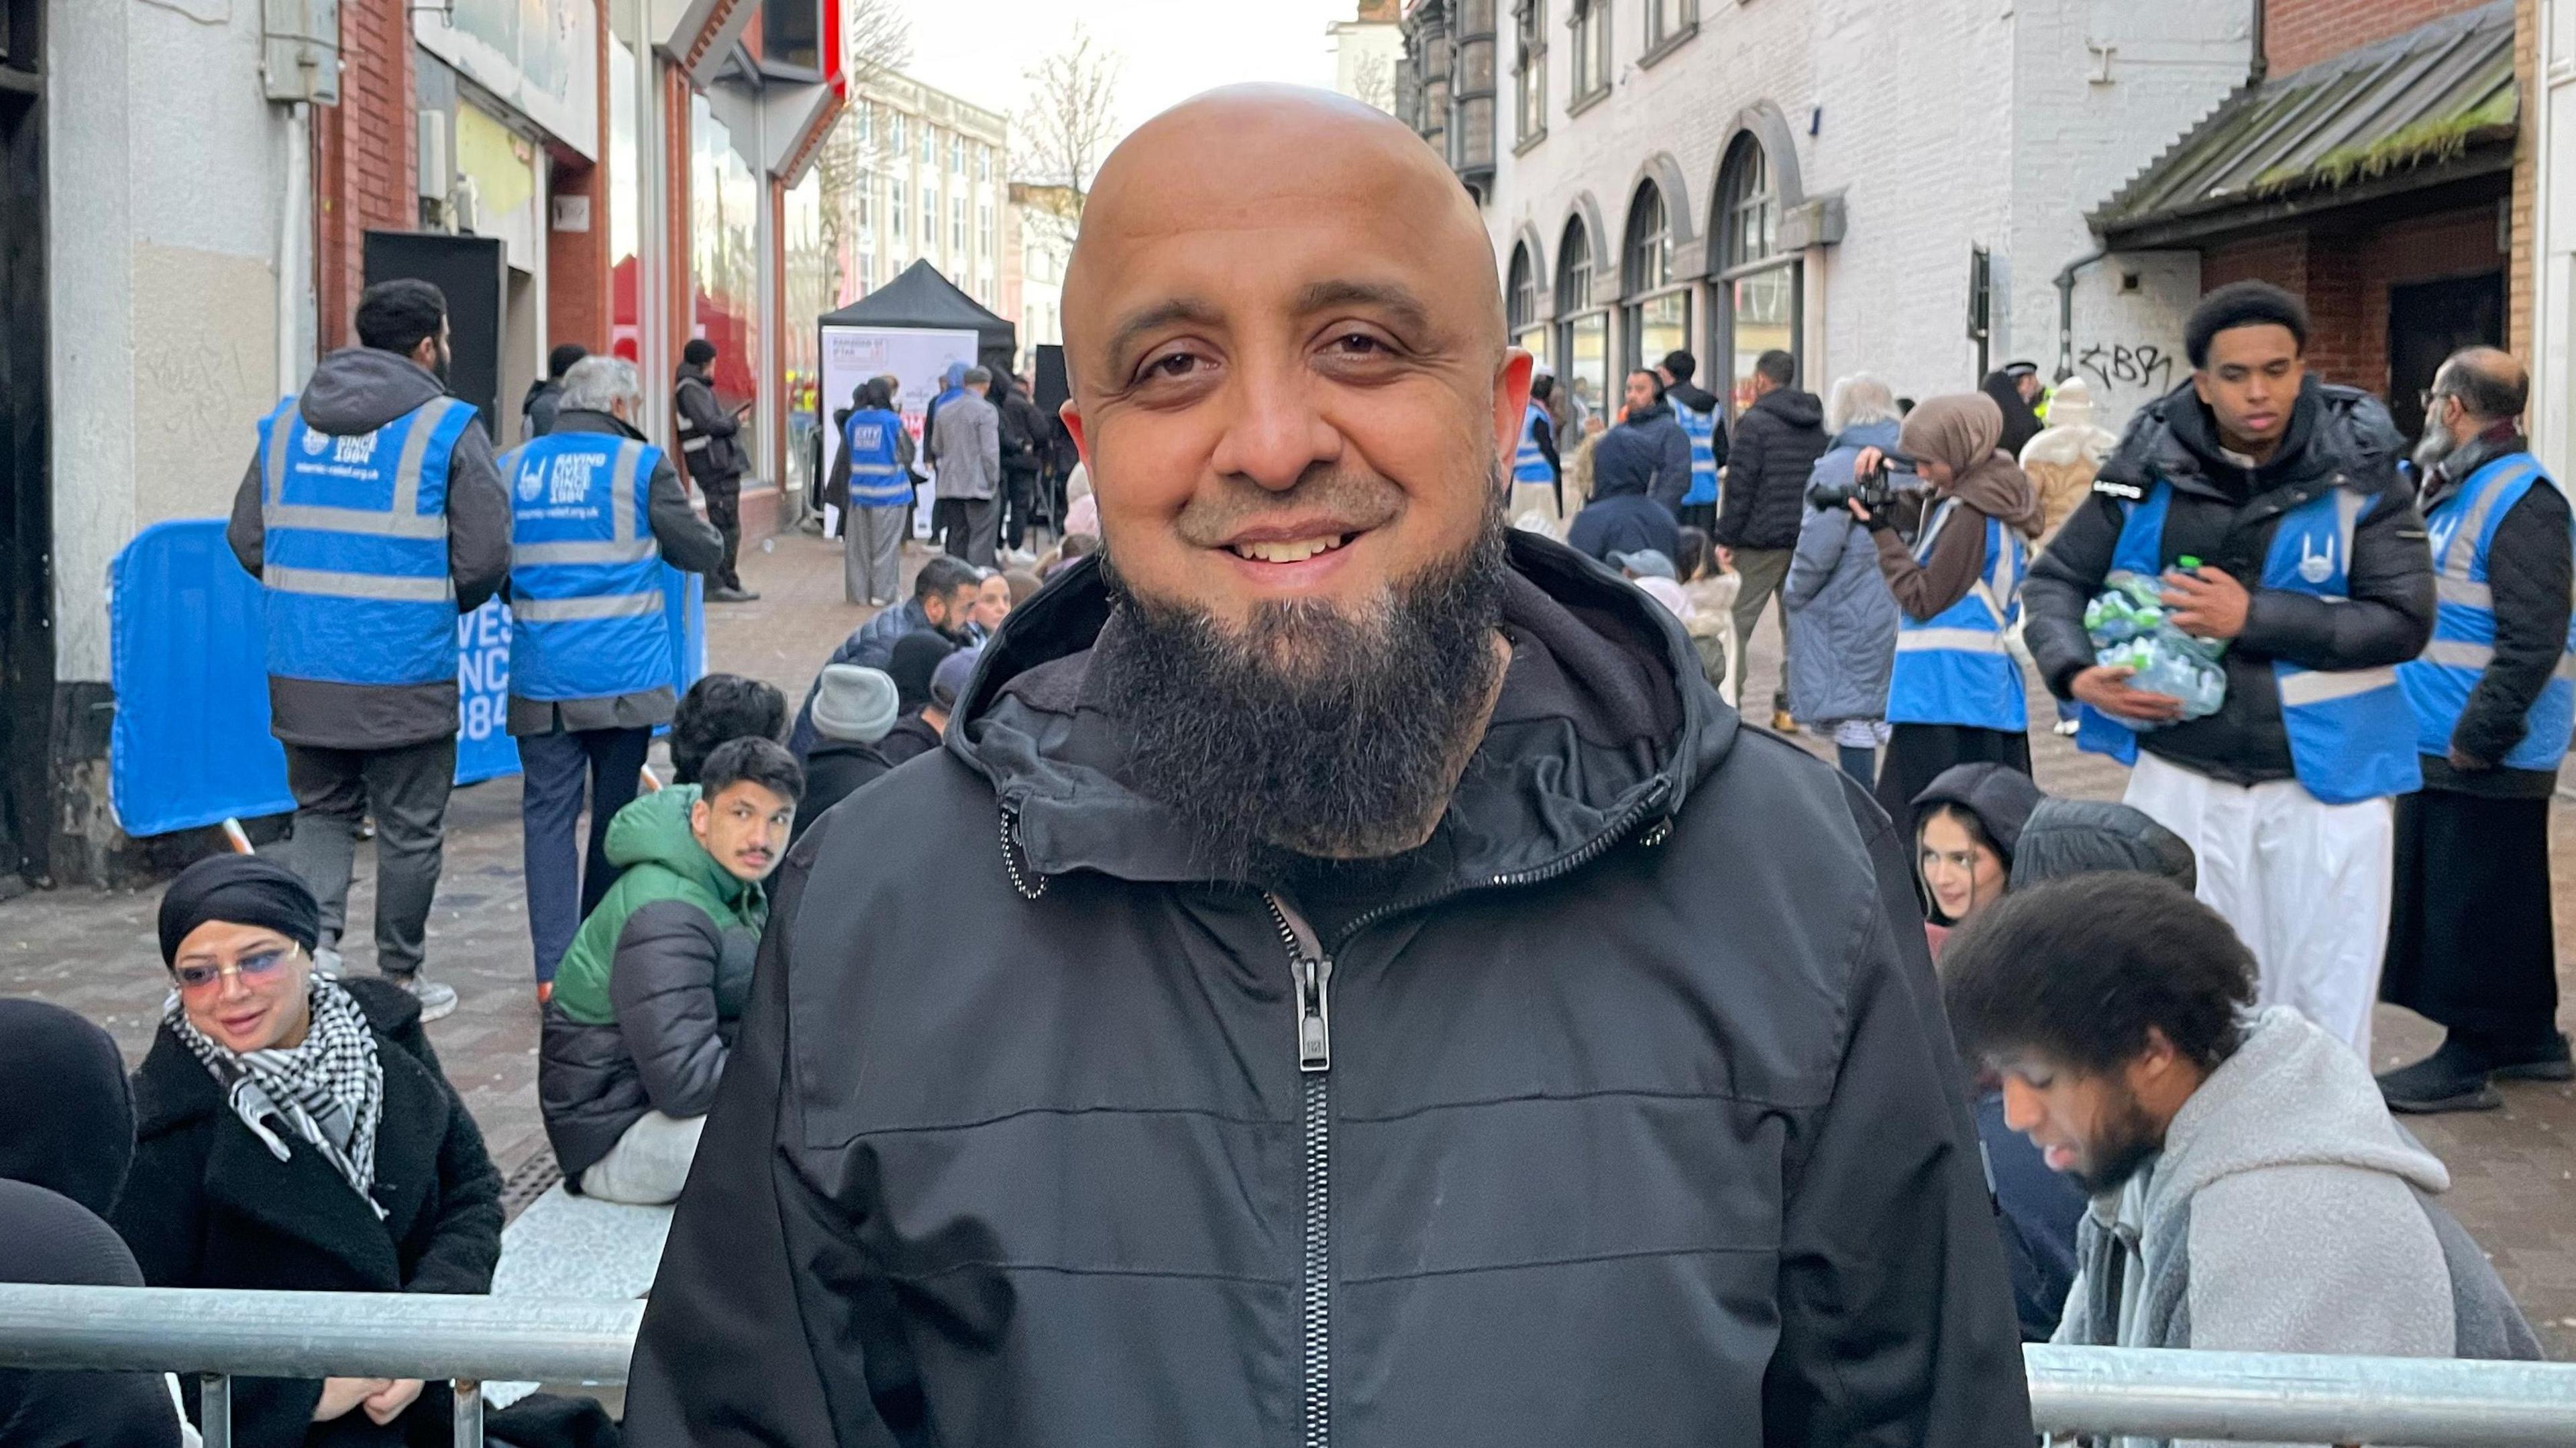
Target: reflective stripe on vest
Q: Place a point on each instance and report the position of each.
(2351, 735)
(586, 595)
(2438, 683)
(877, 480)
(1954, 668)
(1529, 463)
(354, 569)
(1701, 429)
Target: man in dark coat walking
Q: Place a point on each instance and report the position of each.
(1777, 442)
(713, 457)
(1292, 1006)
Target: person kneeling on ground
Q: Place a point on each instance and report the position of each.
(853, 710)
(2250, 1190)
(647, 998)
(717, 710)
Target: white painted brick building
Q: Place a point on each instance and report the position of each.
(1896, 136)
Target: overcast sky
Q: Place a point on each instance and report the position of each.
(979, 50)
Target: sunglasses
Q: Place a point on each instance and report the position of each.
(253, 970)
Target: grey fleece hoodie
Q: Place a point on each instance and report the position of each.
(357, 390)
(2288, 1212)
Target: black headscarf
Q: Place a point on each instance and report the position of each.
(71, 1116)
(240, 890)
(2000, 798)
(2021, 424)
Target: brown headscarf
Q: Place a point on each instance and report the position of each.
(1961, 431)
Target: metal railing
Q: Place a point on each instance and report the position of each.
(2261, 1397)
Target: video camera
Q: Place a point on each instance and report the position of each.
(1874, 489)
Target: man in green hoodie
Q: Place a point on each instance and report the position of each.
(646, 999)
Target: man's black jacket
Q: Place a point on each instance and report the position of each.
(1777, 442)
(2225, 516)
(1641, 1123)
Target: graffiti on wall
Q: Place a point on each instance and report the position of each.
(2142, 368)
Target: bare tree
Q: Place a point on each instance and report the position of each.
(876, 42)
(1069, 123)
(1373, 81)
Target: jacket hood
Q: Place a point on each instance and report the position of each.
(74, 1108)
(1692, 396)
(2066, 837)
(654, 830)
(1999, 488)
(953, 378)
(1798, 409)
(1880, 435)
(1604, 724)
(360, 389)
(2334, 432)
(2291, 1096)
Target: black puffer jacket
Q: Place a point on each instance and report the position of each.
(1016, 1147)
(1777, 442)
(207, 1206)
(2225, 517)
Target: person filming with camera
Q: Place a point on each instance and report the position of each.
(1953, 551)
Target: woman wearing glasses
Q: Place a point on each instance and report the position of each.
(294, 1132)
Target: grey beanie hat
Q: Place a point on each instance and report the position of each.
(853, 704)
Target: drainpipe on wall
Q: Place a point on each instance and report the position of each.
(2260, 66)
(293, 272)
(2066, 301)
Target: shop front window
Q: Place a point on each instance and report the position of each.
(724, 267)
(626, 290)
(808, 294)
(1758, 288)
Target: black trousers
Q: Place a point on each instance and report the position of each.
(1918, 753)
(724, 509)
(2470, 945)
(1019, 497)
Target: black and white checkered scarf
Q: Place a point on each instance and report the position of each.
(330, 1089)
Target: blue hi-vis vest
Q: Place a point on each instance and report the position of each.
(1953, 668)
(585, 573)
(354, 571)
(1701, 428)
(2437, 685)
(1529, 465)
(876, 479)
(2351, 735)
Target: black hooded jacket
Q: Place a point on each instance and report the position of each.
(1777, 442)
(1017, 1148)
(2225, 516)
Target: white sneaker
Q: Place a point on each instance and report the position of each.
(326, 962)
(2068, 728)
(437, 999)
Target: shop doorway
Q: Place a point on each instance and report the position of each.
(2428, 321)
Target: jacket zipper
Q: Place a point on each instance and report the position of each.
(1566, 864)
(1311, 975)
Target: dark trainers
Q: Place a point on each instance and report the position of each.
(2451, 1079)
(2551, 1063)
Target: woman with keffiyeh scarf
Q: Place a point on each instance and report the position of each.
(296, 1133)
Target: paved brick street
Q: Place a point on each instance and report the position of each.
(2514, 1170)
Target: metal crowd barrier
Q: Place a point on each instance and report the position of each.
(2260, 1397)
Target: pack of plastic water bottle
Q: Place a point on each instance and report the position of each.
(2131, 628)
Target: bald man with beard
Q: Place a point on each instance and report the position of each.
(1347, 979)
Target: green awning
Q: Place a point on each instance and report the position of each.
(2435, 104)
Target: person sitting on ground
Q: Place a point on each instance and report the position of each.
(1640, 470)
(1967, 823)
(992, 605)
(63, 1160)
(2037, 1209)
(1712, 600)
(1655, 577)
(1076, 547)
(853, 710)
(645, 1003)
(1023, 585)
(2250, 1190)
(718, 709)
(296, 1133)
(917, 659)
(943, 600)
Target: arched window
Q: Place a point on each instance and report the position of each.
(1582, 329)
(1656, 311)
(1759, 287)
(1520, 304)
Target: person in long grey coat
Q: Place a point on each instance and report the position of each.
(1842, 619)
(966, 441)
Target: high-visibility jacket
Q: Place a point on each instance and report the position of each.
(877, 479)
(1701, 429)
(1954, 667)
(2437, 685)
(586, 602)
(354, 569)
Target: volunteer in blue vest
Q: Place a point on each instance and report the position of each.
(1954, 695)
(373, 517)
(2313, 570)
(1703, 419)
(597, 511)
(1537, 485)
(871, 482)
(2469, 939)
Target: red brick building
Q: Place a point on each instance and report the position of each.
(2378, 166)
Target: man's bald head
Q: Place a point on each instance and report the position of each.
(2491, 386)
(1231, 159)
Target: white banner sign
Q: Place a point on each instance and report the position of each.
(914, 358)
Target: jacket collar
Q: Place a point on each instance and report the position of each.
(582, 419)
(1604, 725)
(2338, 437)
(2501, 441)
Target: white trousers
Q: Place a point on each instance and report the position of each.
(649, 1164)
(2305, 883)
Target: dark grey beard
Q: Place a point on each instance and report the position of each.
(1313, 732)
(2434, 449)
